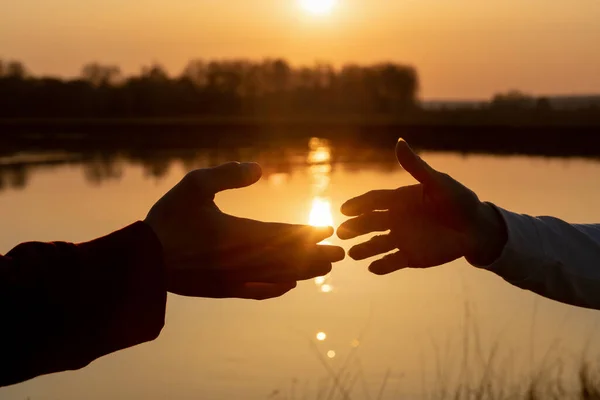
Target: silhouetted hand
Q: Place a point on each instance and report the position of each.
(212, 254)
(431, 223)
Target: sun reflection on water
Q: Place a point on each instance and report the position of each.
(319, 280)
(319, 158)
(326, 288)
(320, 152)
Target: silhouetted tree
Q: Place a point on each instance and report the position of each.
(15, 70)
(543, 104)
(197, 72)
(224, 87)
(513, 100)
(101, 75)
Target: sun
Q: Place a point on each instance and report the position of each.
(318, 7)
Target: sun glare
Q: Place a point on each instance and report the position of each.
(318, 7)
(320, 213)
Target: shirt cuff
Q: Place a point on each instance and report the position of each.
(523, 250)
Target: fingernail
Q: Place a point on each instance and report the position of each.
(252, 170)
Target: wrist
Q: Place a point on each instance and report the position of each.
(488, 238)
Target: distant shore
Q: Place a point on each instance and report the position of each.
(528, 137)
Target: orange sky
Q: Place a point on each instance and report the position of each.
(462, 48)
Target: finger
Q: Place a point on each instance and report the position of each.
(231, 175)
(329, 253)
(413, 164)
(242, 232)
(376, 245)
(277, 273)
(288, 254)
(316, 262)
(261, 291)
(370, 201)
(370, 222)
(390, 263)
(405, 196)
(294, 264)
(282, 264)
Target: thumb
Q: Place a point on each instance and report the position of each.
(413, 164)
(232, 175)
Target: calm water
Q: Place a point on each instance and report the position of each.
(409, 332)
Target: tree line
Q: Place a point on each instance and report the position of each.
(271, 87)
(215, 88)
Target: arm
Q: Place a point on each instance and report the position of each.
(550, 257)
(439, 220)
(64, 305)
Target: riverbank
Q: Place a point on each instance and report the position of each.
(528, 138)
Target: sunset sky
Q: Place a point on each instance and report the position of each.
(461, 48)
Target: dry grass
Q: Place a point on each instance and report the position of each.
(472, 374)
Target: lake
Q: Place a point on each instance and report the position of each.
(351, 334)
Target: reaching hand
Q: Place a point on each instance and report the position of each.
(212, 254)
(430, 223)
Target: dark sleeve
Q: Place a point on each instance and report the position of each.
(63, 305)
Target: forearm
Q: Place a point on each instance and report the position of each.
(551, 257)
(65, 305)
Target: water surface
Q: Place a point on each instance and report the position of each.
(410, 330)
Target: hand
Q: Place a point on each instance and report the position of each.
(431, 223)
(212, 254)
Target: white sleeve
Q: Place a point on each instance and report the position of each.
(551, 257)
